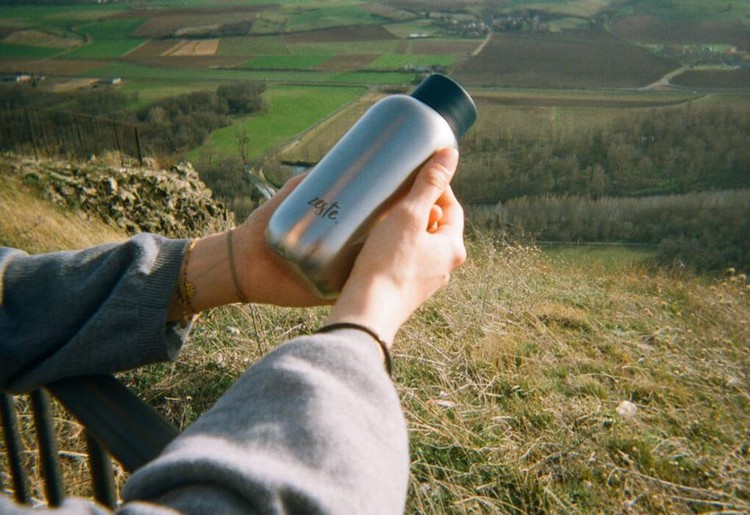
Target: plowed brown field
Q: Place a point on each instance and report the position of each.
(730, 79)
(575, 59)
(352, 33)
(649, 29)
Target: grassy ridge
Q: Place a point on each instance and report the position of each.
(513, 377)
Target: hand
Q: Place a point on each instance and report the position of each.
(408, 255)
(262, 275)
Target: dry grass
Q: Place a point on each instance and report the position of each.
(511, 379)
(512, 376)
(35, 225)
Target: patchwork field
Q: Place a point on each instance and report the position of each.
(174, 21)
(338, 34)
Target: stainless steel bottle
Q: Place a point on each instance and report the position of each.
(321, 226)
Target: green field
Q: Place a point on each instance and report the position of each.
(9, 51)
(253, 46)
(133, 71)
(145, 91)
(318, 18)
(109, 39)
(291, 110)
(390, 61)
(287, 62)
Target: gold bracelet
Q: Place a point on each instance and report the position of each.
(232, 269)
(186, 289)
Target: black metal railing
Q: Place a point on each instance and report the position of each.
(117, 423)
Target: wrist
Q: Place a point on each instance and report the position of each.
(384, 347)
(372, 305)
(206, 275)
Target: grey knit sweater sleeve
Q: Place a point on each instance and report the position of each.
(92, 311)
(314, 427)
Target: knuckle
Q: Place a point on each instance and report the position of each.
(438, 176)
(459, 255)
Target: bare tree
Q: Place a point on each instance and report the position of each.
(242, 137)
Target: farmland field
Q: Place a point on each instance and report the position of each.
(253, 46)
(108, 39)
(53, 67)
(650, 29)
(171, 22)
(11, 51)
(345, 47)
(309, 19)
(390, 61)
(457, 47)
(190, 48)
(731, 79)
(348, 34)
(517, 114)
(291, 110)
(576, 60)
(43, 39)
(287, 62)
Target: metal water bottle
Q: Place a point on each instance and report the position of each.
(321, 226)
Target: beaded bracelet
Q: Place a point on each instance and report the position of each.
(364, 329)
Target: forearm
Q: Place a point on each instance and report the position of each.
(92, 311)
(315, 426)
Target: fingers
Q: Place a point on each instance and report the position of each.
(434, 177)
(436, 213)
(287, 188)
(451, 210)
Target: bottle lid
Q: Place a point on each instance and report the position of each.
(449, 99)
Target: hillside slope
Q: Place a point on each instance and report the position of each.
(573, 381)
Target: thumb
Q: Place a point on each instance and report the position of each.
(434, 177)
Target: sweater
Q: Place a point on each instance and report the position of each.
(313, 427)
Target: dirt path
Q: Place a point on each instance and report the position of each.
(483, 44)
(664, 82)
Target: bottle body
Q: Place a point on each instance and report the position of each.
(322, 225)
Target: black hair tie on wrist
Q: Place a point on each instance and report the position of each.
(350, 325)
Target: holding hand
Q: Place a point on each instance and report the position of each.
(406, 258)
(408, 255)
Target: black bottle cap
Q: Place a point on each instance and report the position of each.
(449, 99)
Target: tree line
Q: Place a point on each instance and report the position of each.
(667, 151)
(702, 230)
(180, 123)
(168, 127)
